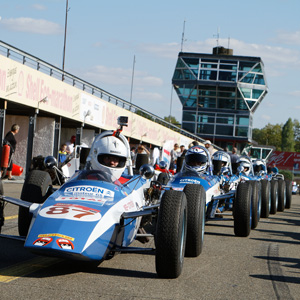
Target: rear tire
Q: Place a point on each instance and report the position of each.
(35, 190)
(281, 195)
(163, 178)
(171, 234)
(196, 198)
(274, 197)
(256, 203)
(289, 186)
(242, 209)
(265, 198)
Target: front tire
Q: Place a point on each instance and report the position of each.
(171, 234)
(242, 209)
(196, 199)
(35, 190)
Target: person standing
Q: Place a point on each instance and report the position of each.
(71, 144)
(209, 147)
(174, 154)
(11, 141)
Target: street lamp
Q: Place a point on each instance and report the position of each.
(65, 38)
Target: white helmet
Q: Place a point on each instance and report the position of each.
(259, 165)
(196, 159)
(221, 159)
(245, 162)
(113, 146)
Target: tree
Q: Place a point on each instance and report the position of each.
(297, 135)
(288, 137)
(270, 135)
(144, 114)
(172, 120)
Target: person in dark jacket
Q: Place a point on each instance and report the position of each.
(11, 141)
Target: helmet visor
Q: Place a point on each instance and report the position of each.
(196, 159)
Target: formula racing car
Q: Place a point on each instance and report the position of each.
(98, 212)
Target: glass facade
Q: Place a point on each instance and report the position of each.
(219, 93)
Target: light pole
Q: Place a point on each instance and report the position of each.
(65, 37)
(132, 78)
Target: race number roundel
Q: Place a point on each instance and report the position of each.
(71, 212)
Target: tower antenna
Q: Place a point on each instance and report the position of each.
(217, 36)
(182, 38)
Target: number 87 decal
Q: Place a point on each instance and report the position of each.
(71, 212)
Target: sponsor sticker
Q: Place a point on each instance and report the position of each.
(56, 235)
(65, 244)
(43, 241)
(71, 212)
(99, 201)
(189, 180)
(89, 191)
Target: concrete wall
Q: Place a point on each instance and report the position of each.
(43, 139)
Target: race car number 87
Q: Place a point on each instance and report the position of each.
(71, 212)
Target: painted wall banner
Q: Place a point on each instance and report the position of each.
(285, 160)
(22, 84)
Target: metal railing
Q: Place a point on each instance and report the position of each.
(46, 68)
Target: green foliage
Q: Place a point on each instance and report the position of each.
(297, 135)
(270, 135)
(288, 175)
(143, 114)
(288, 142)
(172, 120)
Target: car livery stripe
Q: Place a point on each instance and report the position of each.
(112, 216)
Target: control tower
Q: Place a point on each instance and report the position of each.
(219, 93)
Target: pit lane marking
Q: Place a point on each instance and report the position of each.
(19, 270)
(11, 217)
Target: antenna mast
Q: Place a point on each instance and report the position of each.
(182, 39)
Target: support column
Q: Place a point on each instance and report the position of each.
(30, 142)
(78, 136)
(57, 132)
(2, 123)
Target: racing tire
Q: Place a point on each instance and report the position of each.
(289, 186)
(196, 198)
(163, 178)
(265, 198)
(274, 197)
(242, 209)
(171, 234)
(35, 190)
(1, 206)
(281, 195)
(256, 203)
(4, 171)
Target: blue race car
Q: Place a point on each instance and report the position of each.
(219, 190)
(97, 213)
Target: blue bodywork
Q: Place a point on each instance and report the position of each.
(81, 220)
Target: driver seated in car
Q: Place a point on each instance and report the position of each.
(109, 154)
(196, 159)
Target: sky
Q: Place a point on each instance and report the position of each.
(104, 37)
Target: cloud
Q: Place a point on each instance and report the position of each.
(294, 93)
(39, 7)
(266, 117)
(119, 76)
(270, 54)
(38, 26)
(288, 38)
